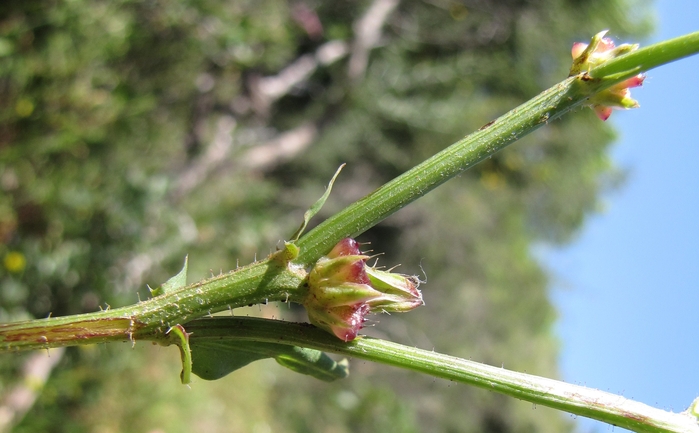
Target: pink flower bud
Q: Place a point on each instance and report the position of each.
(617, 96)
(333, 272)
(578, 48)
(343, 322)
(343, 290)
(601, 50)
(346, 247)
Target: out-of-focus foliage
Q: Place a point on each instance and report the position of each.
(135, 132)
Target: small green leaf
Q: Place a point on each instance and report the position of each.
(310, 213)
(174, 283)
(214, 359)
(286, 254)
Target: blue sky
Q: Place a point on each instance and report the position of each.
(627, 287)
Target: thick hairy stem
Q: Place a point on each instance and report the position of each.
(272, 279)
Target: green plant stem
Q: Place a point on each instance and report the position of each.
(649, 57)
(551, 104)
(578, 400)
(267, 280)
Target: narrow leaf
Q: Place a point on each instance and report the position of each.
(310, 213)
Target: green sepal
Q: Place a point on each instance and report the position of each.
(310, 213)
(214, 359)
(174, 283)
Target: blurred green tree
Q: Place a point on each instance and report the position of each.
(135, 132)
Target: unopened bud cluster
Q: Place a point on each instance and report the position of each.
(600, 50)
(343, 290)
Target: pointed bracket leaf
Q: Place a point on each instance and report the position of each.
(310, 213)
(174, 283)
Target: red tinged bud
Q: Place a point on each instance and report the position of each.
(343, 322)
(343, 269)
(597, 52)
(346, 247)
(343, 290)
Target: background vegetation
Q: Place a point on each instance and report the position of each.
(135, 132)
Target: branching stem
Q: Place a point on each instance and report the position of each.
(492, 137)
(282, 277)
(575, 399)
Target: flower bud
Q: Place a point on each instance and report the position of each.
(617, 96)
(600, 50)
(333, 272)
(343, 290)
(346, 247)
(343, 322)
